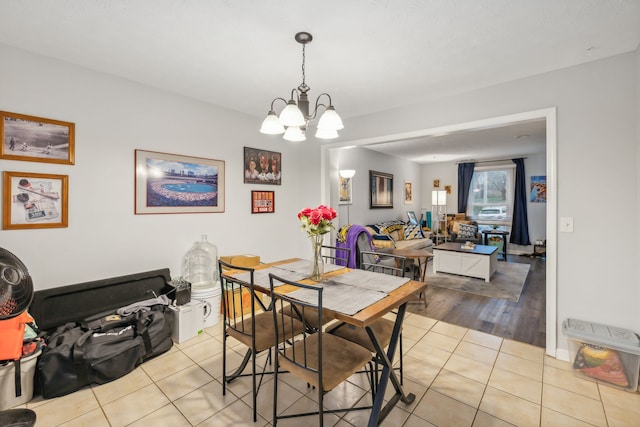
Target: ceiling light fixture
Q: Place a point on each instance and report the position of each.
(295, 117)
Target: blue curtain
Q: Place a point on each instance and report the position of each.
(520, 224)
(465, 174)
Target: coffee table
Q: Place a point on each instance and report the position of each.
(481, 261)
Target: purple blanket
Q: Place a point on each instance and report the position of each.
(353, 232)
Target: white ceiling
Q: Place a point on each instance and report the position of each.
(370, 55)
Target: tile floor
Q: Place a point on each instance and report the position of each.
(460, 378)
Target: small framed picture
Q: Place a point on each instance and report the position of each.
(447, 188)
(408, 193)
(436, 183)
(171, 183)
(346, 191)
(263, 202)
(35, 139)
(34, 200)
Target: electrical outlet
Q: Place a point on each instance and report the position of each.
(566, 224)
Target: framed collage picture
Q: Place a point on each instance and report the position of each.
(34, 200)
(263, 202)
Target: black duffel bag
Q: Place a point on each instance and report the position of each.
(101, 350)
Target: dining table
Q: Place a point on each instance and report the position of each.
(377, 295)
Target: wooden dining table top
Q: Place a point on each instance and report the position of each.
(368, 315)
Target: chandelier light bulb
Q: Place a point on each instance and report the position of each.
(291, 115)
(326, 133)
(271, 125)
(294, 133)
(330, 120)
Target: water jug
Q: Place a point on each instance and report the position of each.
(199, 265)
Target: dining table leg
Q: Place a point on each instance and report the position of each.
(378, 412)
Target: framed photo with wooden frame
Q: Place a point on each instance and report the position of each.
(35, 139)
(34, 200)
(408, 193)
(381, 190)
(171, 183)
(345, 191)
(263, 202)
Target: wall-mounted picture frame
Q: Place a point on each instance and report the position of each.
(34, 200)
(447, 188)
(36, 139)
(408, 193)
(172, 183)
(263, 202)
(436, 183)
(262, 166)
(538, 189)
(345, 191)
(381, 190)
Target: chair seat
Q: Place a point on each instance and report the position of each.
(265, 333)
(382, 328)
(340, 359)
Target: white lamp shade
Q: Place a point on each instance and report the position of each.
(291, 115)
(271, 125)
(295, 134)
(347, 173)
(326, 133)
(438, 197)
(330, 120)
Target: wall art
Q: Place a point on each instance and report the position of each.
(35, 139)
(34, 200)
(262, 166)
(171, 183)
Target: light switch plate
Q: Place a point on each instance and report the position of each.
(566, 224)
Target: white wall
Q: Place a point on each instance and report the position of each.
(597, 153)
(113, 117)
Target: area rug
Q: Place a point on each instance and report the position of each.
(506, 283)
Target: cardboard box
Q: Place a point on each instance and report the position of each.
(240, 304)
(8, 397)
(238, 300)
(241, 260)
(607, 354)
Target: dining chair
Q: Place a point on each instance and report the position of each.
(383, 328)
(322, 360)
(251, 324)
(335, 255)
(331, 255)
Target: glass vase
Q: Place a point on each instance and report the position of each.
(317, 262)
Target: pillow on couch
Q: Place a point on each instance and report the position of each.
(455, 226)
(467, 231)
(382, 241)
(413, 231)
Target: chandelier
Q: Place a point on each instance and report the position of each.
(295, 116)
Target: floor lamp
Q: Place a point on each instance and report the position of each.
(438, 199)
(347, 175)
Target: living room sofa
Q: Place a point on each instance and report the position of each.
(398, 235)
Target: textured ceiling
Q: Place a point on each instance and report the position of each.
(369, 55)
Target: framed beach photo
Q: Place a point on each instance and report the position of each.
(34, 200)
(172, 183)
(263, 202)
(35, 139)
(381, 190)
(262, 166)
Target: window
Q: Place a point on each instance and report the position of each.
(491, 194)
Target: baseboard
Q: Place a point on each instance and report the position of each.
(562, 354)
